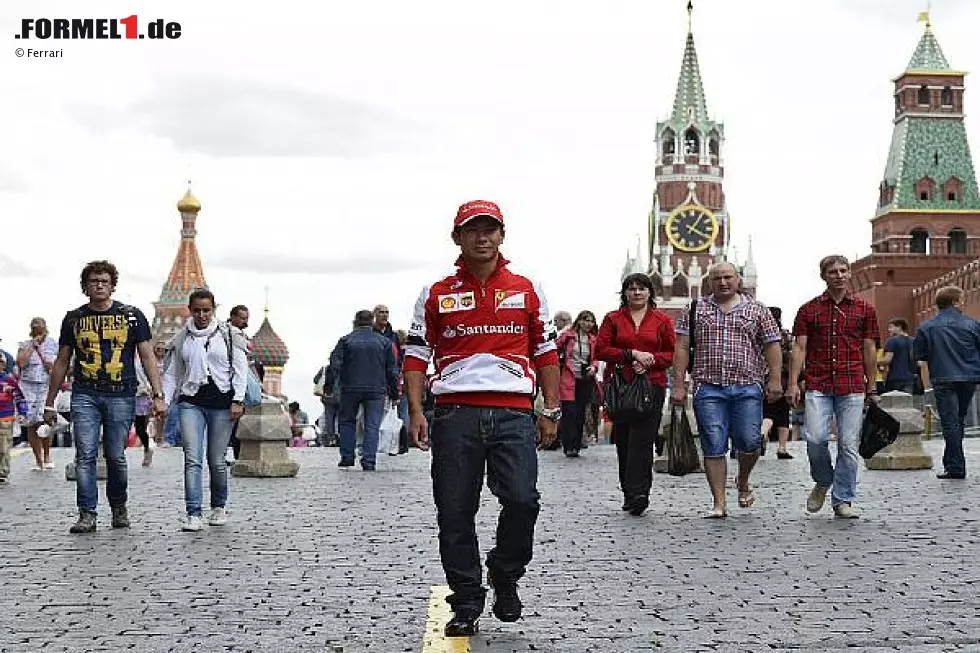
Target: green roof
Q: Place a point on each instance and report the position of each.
(690, 106)
(689, 103)
(934, 147)
(928, 55)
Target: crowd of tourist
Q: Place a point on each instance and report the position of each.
(486, 377)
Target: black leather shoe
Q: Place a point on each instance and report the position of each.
(945, 475)
(367, 468)
(638, 506)
(506, 603)
(463, 624)
(345, 462)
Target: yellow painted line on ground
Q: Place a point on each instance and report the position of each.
(439, 614)
(19, 451)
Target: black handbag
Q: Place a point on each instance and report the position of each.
(878, 430)
(628, 401)
(682, 453)
(612, 392)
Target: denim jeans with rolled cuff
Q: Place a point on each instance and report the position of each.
(729, 411)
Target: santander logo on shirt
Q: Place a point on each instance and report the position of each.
(467, 330)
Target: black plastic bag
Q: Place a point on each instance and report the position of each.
(682, 452)
(878, 430)
(629, 401)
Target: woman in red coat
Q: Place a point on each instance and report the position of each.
(639, 339)
(576, 350)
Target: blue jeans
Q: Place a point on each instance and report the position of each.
(849, 411)
(952, 401)
(374, 406)
(171, 428)
(465, 440)
(93, 415)
(197, 425)
(729, 410)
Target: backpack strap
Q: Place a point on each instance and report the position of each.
(692, 314)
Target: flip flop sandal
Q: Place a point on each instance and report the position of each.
(746, 499)
(715, 514)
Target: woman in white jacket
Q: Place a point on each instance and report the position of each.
(205, 372)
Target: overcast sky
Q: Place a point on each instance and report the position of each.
(331, 142)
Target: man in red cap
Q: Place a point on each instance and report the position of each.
(493, 343)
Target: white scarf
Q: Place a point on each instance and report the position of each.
(196, 357)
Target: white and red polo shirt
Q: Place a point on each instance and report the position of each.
(487, 340)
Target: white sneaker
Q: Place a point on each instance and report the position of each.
(817, 496)
(193, 523)
(846, 511)
(219, 517)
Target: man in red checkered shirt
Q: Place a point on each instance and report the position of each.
(836, 335)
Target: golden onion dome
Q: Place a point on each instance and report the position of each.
(188, 203)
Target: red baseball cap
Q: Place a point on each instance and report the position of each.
(475, 209)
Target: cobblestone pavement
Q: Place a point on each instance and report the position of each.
(342, 560)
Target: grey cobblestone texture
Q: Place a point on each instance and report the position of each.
(342, 560)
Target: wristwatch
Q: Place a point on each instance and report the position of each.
(158, 395)
(554, 414)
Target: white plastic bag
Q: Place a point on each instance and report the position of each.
(391, 426)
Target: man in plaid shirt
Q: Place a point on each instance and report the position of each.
(836, 335)
(736, 339)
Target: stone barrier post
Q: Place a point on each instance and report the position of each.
(264, 434)
(906, 452)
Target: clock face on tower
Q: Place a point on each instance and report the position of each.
(691, 228)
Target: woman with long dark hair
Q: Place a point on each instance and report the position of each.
(576, 349)
(638, 339)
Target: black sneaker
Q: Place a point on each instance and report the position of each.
(507, 604)
(86, 523)
(464, 623)
(367, 467)
(120, 517)
(346, 462)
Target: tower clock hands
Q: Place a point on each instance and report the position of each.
(691, 229)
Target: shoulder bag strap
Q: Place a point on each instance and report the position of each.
(691, 328)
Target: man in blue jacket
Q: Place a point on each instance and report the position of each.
(950, 344)
(364, 362)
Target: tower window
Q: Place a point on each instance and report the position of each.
(924, 95)
(947, 96)
(668, 141)
(713, 146)
(957, 241)
(898, 105)
(953, 189)
(692, 142)
(924, 189)
(920, 241)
